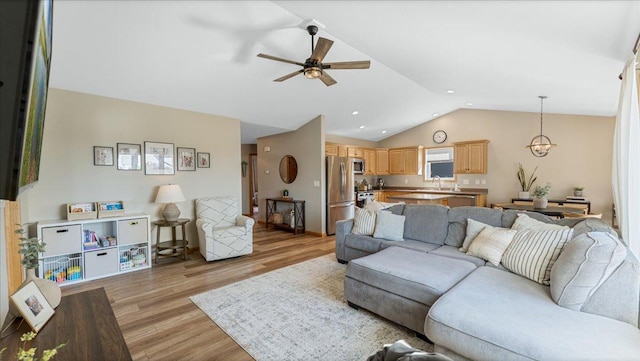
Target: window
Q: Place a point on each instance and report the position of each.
(439, 163)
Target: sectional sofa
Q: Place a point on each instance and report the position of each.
(586, 309)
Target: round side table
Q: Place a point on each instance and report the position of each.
(175, 247)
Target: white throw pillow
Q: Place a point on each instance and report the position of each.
(525, 222)
(473, 230)
(491, 243)
(389, 226)
(374, 206)
(533, 253)
(364, 222)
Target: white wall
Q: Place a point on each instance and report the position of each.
(306, 145)
(75, 122)
(582, 157)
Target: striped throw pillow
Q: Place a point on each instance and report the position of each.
(532, 253)
(491, 243)
(364, 222)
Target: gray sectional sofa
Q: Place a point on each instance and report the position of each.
(471, 309)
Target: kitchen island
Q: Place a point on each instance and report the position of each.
(464, 197)
(419, 198)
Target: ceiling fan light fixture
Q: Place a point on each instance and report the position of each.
(540, 144)
(312, 72)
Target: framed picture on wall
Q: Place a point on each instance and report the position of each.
(33, 306)
(158, 158)
(102, 155)
(186, 158)
(203, 160)
(129, 156)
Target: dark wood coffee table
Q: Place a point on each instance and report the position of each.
(85, 321)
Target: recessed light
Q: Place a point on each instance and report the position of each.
(384, 131)
(435, 114)
(450, 91)
(362, 127)
(355, 112)
(469, 104)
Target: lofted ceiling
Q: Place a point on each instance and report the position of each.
(201, 56)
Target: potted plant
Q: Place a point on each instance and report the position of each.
(577, 191)
(540, 196)
(30, 248)
(525, 184)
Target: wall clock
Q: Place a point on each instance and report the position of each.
(439, 136)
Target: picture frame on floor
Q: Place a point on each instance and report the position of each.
(158, 158)
(32, 305)
(186, 159)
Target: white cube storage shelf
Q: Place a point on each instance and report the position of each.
(87, 249)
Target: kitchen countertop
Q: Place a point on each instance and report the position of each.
(463, 191)
(419, 197)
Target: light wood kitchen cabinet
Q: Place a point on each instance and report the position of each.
(405, 160)
(470, 157)
(330, 149)
(334, 149)
(369, 161)
(355, 152)
(382, 161)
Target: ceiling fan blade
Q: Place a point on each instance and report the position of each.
(270, 57)
(363, 64)
(283, 78)
(327, 79)
(322, 48)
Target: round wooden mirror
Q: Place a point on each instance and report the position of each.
(288, 169)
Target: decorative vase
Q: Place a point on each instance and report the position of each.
(577, 193)
(523, 195)
(540, 202)
(50, 290)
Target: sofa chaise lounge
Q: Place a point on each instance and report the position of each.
(472, 309)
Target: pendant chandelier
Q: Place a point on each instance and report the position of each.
(540, 144)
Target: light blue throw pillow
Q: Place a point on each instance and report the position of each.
(389, 226)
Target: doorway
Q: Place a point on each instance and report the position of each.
(253, 186)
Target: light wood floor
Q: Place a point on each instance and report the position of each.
(153, 309)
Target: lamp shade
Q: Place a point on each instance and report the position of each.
(170, 193)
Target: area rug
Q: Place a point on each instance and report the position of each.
(299, 313)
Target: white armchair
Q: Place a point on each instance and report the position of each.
(223, 232)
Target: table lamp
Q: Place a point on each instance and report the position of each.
(170, 194)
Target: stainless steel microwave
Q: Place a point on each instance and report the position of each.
(358, 166)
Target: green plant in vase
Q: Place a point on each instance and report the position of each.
(525, 184)
(577, 191)
(540, 195)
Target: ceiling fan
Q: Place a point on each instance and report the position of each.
(313, 68)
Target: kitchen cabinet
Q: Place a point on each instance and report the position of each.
(470, 157)
(355, 152)
(382, 161)
(406, 161)
(369, 161)
(330, 149)
(334, 149)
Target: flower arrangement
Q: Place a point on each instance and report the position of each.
(542, 192)
(525, 184)
(29, 354)
(29, 249)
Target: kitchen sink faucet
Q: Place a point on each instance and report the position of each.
(439, 182)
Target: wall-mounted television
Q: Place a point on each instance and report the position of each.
(25, 63)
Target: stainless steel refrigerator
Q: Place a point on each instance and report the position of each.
(341, 198)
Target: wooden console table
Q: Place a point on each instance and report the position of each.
(298, 213)
(85, 321)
